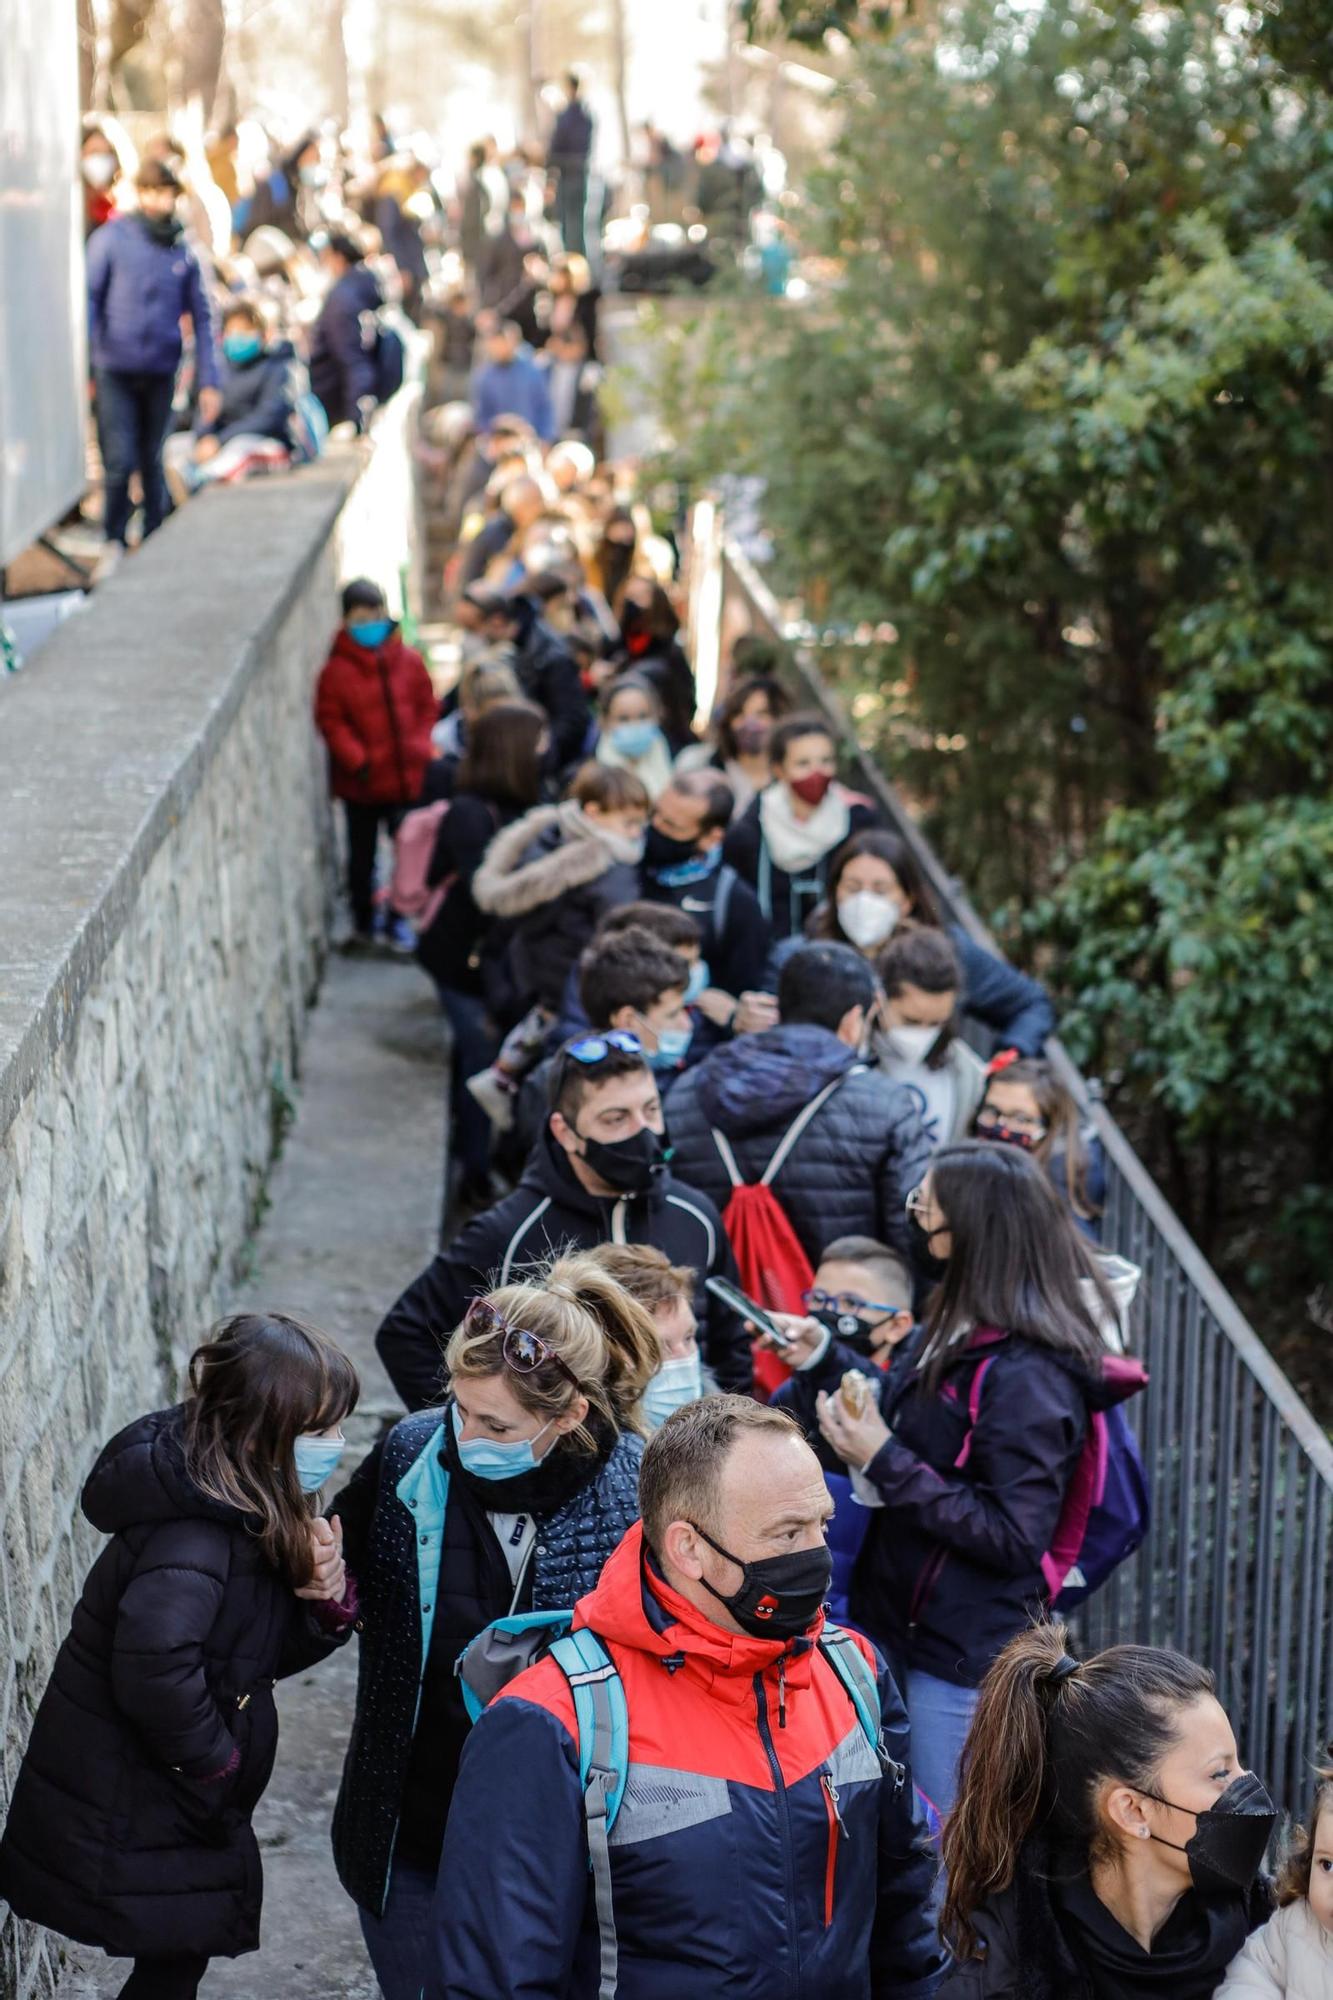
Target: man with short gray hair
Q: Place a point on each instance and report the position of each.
(755, 1831)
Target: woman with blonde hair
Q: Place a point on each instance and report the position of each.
(508, 1496)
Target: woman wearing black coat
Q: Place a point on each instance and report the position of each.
(650, 648)
(1108, 1840)
(508, 1498)
(970, 1451)
(130, 1822)
(498, 778)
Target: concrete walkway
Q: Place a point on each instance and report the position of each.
(355, 1213)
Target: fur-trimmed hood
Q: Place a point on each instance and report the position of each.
(548, 852)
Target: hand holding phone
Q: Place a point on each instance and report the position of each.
(745, 1308)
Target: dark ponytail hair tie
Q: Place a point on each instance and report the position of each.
(1061, 1671)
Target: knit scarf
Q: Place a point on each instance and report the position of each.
(798, 844)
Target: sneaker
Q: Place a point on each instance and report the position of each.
(358, 944)
(113, 554)
(495, 1094)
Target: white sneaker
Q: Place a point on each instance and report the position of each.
(113, 554)
(495, 1097)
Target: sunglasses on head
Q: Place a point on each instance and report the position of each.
(520, 1350)
(596, 1048)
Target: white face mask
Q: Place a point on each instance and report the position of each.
(911, 1044)
(867, 918)
(99, 170)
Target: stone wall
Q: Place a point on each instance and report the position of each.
(165, 892)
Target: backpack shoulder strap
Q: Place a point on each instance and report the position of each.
(602, 1717)
(857, 1675)
(723, 1145)
(979, 1375)
(794, 1131)
(726, 882)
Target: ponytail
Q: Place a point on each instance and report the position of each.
(1048, 1732)
(633, 1350)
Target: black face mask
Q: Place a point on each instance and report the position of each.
(1229, 1838)
(162, 228)
(926, 1261)
(627, 1165)
(847, 1328)
(660, 851)
(1005, 1135)
(781, 1595)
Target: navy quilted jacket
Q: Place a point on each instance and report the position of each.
(850, 1171)
(431, 1574)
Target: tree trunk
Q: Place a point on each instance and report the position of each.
(620, 64)
(127, 28)
(87, 31)
(203, 28)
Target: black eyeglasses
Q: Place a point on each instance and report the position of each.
(520, 1350)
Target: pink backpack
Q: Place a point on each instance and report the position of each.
(409, 892)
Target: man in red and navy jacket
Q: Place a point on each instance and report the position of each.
(764, 1849)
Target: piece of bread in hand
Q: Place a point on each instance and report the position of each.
(855, 1390)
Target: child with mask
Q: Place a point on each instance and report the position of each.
(1024, 1104)
(665, 1290)
(375, 707)
(916, 1040)
(508, 1498)
(1291, 1958)
(130, 1823)
(631, 736)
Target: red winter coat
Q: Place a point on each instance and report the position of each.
(376, 711)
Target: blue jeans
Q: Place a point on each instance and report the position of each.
(475, 1047)
(133, 411)
(940, 1713)
(399, 1941)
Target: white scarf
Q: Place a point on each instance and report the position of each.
(653, 772)
(798, 844)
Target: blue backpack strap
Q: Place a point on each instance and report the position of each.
(857, 1675)
(602, 1718)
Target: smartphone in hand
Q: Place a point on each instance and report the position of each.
(732, 1296)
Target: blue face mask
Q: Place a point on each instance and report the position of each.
(315, 1459)
(676, 1383)
(373, 634)
(673, 1045)
(242, 347)
(699, 982)
(634, 739)
(488, 1458)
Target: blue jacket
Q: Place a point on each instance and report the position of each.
(516, 388)
(763, 1851)
(342, 345)
(137, 291)
(259, 397)
(406, 1537)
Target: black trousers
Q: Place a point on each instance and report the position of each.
(164, 1979)
(363, 832)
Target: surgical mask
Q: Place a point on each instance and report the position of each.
(1229, 1839)
(241, 347)
(99, 170)
(811, 790)
(489, 1458)
(910, 1044)
(676, 1383)
(373, 634)
(633, 739)
(868, 919)
(627, 1165)
(780, 1596)
(699, 981)
(315, 1459)
(751, 737)
(673, 1045)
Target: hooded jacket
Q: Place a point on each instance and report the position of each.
(138, 291)
(762, 1847)
(1032, 1951)
(550, 877)
(342, 346)
(548, 1213)
(851, 1170)
(123, 1832)
(950, 1568)
(375, 709)
(259, 396)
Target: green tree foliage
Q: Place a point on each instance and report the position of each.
(1061, 414)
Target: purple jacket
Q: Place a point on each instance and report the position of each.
(138, 289)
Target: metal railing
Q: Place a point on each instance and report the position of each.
(1234, 1570)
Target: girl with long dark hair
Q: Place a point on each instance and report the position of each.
(1107, 1840)
(1025, 1104)
(742, 726)
(970, 1447)
(130, 1823)
(874, 884)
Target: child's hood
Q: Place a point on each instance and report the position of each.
(544, 855)
(141, 1478)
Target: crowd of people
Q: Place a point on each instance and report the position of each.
(759, 1403)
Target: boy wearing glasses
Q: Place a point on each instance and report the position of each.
(599, 1173)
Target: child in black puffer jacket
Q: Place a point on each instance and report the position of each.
(130, 1823)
